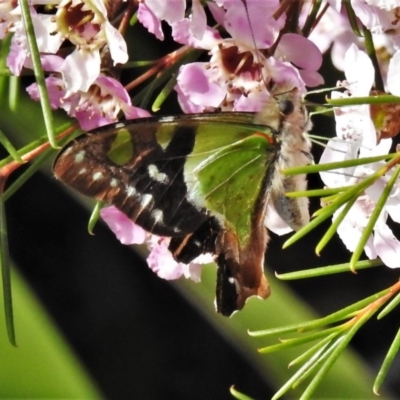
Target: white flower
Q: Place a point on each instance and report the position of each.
(357, 137)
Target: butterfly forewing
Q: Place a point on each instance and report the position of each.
(126, 166)
(139, 167)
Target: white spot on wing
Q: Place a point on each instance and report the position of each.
(82, 171)
(130, 191)
(146, 200)
(114, 182)
(80, 156)
(153, 170)
(155, 174)
(97, 176)
(168, 119)
(157, 215)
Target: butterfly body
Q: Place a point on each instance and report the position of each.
(204, 180)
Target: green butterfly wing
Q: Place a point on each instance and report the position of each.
(204, 180)
(146, 167)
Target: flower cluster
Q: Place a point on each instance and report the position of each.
(253, 46)
(357, 137)
(75, 82)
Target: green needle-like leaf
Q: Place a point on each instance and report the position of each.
(304, 371)
(324, 364)
(319, 359)
(316, 192)
(33, 167)
(352, 18)
(36, 143)
(353, 101)
(138, 64)
(134, 19)
(312, 16)
(146, 94)
(39, 75)
(302, 358)
(10, 148)
(6, 276)
(387, 362)
(389, 307)
(237, 395)
(342, 343)
(305, 338)
(306, 229)
(163, 95)
(373, 218)
(94, 217)
(334, 226)
(290, 382)
(325, 212)
(14, 92)
(342, 314)
(4, 71)
(328, 270)
(371, 51)
(336, 165)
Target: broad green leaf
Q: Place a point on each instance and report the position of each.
(43, 365)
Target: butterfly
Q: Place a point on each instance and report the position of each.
(204, 180)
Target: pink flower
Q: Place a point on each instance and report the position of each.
(152, 12)
(99, 106)
(304, 54)
(81, 68)
(124, 229)
(237, 74)
(84, 24)
(378, 16)
(48, 40)
(160, 259)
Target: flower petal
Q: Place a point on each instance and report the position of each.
(116, 44)
(387, 246)
(80, 69)
(393, 78)
(300, 51)
(150, 21)
(197, 83)
(359, 71)
(160, 260)
(264, 28)
(169, 11)
(126, 231)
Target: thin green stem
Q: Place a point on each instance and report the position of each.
(39, 75)
(370, 49)
(6, 275)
